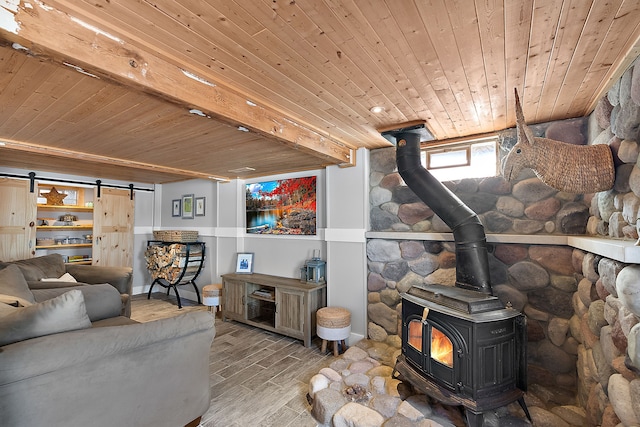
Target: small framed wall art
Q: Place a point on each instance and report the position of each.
(175, 207)
(244, 263)
(187, 206)
(200, 206)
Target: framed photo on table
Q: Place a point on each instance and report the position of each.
(244, 263)
(187, 206)
(176, 207)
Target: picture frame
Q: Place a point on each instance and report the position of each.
(244, 263)
(267, 203)
(187, 206)
(176, 207)
(199, 208)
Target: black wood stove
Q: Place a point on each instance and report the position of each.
(460, 344)
(463, 348)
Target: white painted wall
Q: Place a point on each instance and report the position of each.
(205, 225)
(342, 220)
(347, 223)
(284, 255)
(229, 228)
(144, 216)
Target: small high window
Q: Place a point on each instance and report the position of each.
(469, 159)
(73, 195)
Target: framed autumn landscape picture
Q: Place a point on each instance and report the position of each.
(285, 206)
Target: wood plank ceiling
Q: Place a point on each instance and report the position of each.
(154, 91)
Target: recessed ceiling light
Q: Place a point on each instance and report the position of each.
(243, 129)
(198, 113)
(197, 78)
(377, 109)
(18, 46)
(80, 70)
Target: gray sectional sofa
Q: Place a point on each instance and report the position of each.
(71, 356)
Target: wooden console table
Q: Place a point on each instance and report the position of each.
(279, 304)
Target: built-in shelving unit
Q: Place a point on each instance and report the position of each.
(76, 248)
(82, 223)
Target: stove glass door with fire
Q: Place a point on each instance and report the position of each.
(460, 352)
(431, 350)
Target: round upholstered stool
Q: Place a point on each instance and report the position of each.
(212, 296)
(333, 324)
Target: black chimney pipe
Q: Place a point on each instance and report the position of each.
(472, 260)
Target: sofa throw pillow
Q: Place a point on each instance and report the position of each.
(63, 313)
(13, 283)
(34, 269)
(66, 277)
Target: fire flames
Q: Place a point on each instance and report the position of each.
(441, 348)
(415, 334)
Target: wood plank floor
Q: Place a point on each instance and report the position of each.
(258, 378)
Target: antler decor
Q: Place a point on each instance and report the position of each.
(566, 167)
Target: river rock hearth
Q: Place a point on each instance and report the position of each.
(387, 401)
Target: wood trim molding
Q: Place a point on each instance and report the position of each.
(48, 32)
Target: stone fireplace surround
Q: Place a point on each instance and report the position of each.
(555, 256)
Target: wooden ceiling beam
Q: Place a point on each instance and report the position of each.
(48, 32)
(53, 152)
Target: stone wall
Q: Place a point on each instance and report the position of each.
(524, 206)
(538, 280)
(614, 213)
(582, 309)
(605, 323)
(607, 304)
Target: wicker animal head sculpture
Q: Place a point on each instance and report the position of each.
(566, 167)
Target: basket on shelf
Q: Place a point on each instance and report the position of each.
(185, 236)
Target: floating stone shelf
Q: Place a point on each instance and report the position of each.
(621, 250)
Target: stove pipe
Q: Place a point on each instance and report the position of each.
(472, 261)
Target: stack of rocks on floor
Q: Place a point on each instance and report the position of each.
(358, 390)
